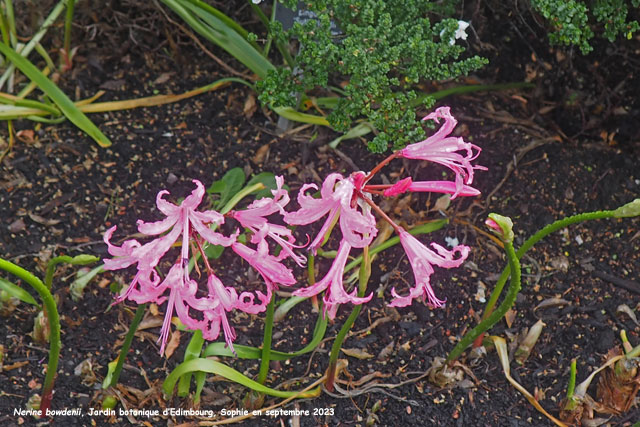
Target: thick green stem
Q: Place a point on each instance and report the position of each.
(266, 341)
(365, 272)
(68, 21)
(54, 325)
(571, 387)
(137, 318)
(337, 345)
(544, 232)
(510, 298)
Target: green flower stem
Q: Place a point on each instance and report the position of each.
(266, 341)
(510, 298)
(11, 19)
(571, 387)
(68, 20)
(137, 318)
(54, 325)
(572, 403)
(528, 244)
(365, 272)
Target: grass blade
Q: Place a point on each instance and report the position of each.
(66, 106)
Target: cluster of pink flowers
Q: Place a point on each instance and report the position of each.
(347, 200)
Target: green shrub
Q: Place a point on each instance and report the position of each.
(570, 20)
(384, 50)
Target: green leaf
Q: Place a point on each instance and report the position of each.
(59, 98)
(17, 292)
(267, 179)
(218, 28)
(213, 367)
(192, 351)
(77, 286)
(228, 186)
(213, 251)
(217, 187)
(111, 370)
(234, 179)
(247, 352)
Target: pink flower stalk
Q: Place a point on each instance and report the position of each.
(182, 220)
(422, 260)
(443, 149)
(358, 226)
(254, 218)
(446, 187)
(271, 270)
(335, 293)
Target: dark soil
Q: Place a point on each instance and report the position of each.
(570, 145)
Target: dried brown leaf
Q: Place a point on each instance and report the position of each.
(172, 344)
(357, 353)
(42, 220)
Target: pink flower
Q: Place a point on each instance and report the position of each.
(183, 220)
(335, 293)
(442, 148)
(180, 220)
(254, 218)
(271, 270)
(446, 187)
(422, 260)
(358, 226)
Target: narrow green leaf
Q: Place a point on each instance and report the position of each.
(59, 98)
(17, 292)
(222, 33)
(247, 352)
(191, 352)
(213, 367)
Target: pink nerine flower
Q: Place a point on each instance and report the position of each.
(271, 270)
(443, 149)
(182, 298)
(446, 187)
(357, 224)
(332, 282)
(422, 260)
(254, 218)
(181, 220)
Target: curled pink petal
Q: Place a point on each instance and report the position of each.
(357, 224)
(422, 260)
(445, 150)
(332, 283)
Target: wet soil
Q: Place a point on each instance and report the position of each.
(569, 145)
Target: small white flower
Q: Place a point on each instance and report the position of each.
(451, 241)
(256, 1)
(460, 32)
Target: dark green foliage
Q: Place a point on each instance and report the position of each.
(569, 20)
(384, 50)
